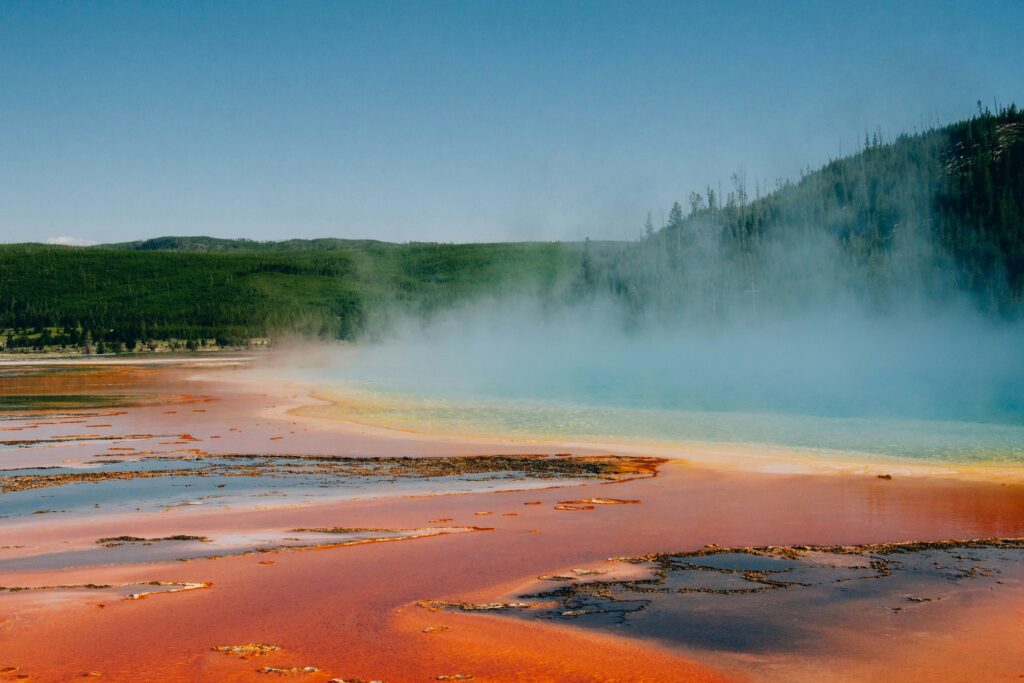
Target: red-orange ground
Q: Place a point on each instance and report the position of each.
(352, 611)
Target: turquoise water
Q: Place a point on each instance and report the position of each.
(939, 388)
(875, 437)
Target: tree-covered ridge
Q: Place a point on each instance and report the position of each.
(72, 295)
(927, 216)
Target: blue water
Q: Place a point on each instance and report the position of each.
(933, 440)
(295, 480)
(944, 387)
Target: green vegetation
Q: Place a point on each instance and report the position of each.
(925, 219)
(928, 217)
(227, 292)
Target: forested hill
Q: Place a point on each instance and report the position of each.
(923, 219)
(196, 290)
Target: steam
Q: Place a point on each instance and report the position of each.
(680, 322)
(827, 361)
(831, 298)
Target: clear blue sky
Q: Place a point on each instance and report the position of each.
(454, 121)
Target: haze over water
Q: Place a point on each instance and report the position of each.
(940, 389)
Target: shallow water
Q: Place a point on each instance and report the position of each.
(931, 440)
(236, 481)
(753, 602)
(936, 387)
(134, 550)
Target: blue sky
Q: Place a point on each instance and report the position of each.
(455, 121)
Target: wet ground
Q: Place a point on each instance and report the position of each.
(159, 527)
(158, 483)
(771, 600)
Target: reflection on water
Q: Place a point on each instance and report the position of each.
(781, 599)
(134, 550)
(166, 483)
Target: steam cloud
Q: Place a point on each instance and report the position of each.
(829, 361)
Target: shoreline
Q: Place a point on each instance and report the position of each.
(723, 456)
(161, 358)
(305, 401)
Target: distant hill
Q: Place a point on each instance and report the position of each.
(215, 244)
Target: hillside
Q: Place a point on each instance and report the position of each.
(926, 219)
(203, 289)
(922, 220)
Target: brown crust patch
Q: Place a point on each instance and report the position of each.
(247, 650)
(609, 467)
(27, 482)
(115, 541)
(599, 501)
